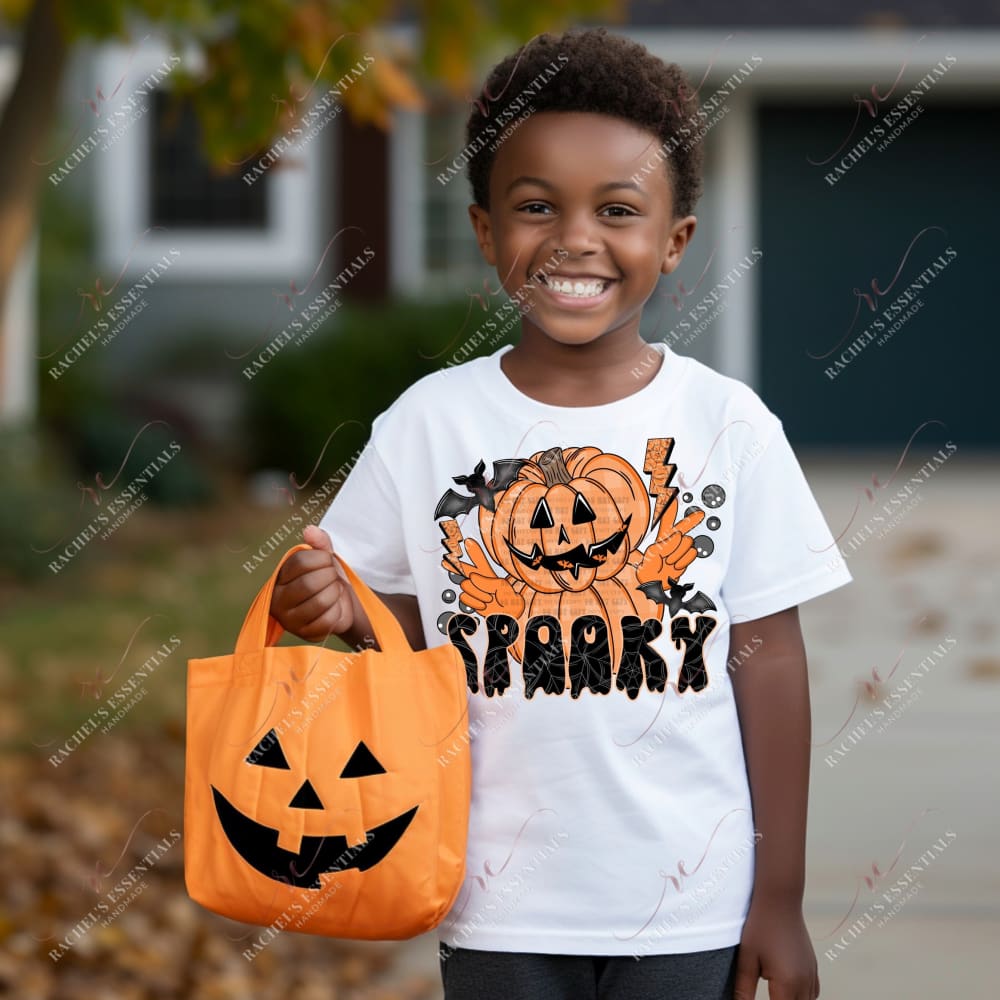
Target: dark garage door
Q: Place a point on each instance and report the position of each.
(922, 211)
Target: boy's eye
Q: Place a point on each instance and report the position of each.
(615, 211)
(533, 205)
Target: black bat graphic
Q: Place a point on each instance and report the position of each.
(505, 471)
(675, 599)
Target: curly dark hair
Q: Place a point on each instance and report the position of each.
(604, 73)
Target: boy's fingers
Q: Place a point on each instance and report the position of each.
(304, 562)
(745, 987)
(780, 990)
(320, 612)
(747, 974)
(317, 538)
(300, 592)
(301, 588)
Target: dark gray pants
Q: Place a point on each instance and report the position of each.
(469, 974)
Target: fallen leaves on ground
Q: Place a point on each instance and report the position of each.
(68, 835)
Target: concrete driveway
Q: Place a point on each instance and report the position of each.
(903, 895)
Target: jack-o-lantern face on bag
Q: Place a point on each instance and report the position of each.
(314, 797)
(257, 843)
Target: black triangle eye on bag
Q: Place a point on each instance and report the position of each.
(314, 799)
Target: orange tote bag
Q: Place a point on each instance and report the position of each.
(314, 796)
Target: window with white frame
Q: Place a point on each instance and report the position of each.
(155, 194)
(451, 254)
(184, 189)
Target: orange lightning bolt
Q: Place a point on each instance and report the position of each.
(452, 541)
(660, 473)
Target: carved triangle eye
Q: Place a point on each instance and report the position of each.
(542, 518)
(362, 763)
(582, 511)
(268, 752)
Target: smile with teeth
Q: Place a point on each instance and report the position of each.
(583, 289)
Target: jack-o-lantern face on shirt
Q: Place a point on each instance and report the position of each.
(257, 843)
(569, 519)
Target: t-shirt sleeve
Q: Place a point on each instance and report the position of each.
(783, 552)
(365, 525)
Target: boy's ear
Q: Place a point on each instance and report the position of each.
(681, 231)
(480, 219)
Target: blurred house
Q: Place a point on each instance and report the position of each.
(850, 164)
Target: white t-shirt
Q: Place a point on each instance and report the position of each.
(610, 808)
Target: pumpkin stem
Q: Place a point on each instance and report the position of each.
(553, 467)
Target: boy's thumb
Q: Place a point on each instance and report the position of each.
(317, 538)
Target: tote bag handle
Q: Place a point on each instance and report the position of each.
(260, 629)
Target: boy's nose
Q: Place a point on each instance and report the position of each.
(578, 234)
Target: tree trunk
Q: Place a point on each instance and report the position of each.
(25, 125)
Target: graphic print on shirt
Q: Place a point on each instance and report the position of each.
(563, 588)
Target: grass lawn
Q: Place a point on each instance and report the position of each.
(71, 639)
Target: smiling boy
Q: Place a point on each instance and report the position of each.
(625, 519)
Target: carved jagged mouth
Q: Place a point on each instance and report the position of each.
(572, 560)
(258, 846)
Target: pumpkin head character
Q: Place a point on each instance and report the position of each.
(564, 530)
(569, 518)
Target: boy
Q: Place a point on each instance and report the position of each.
(619, 509)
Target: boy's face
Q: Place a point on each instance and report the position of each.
(563, 181)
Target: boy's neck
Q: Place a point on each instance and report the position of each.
(602, 371)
